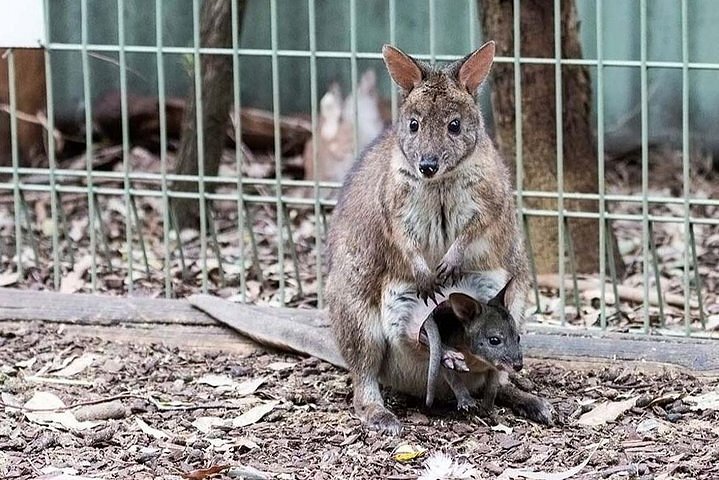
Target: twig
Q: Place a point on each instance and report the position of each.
(38, 119)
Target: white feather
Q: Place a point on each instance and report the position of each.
(440, 466)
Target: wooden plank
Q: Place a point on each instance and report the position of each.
(87, 309)
(307, 331)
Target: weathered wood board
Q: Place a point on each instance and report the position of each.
(178, 323)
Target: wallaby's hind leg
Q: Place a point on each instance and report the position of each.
(526, 404)
(369, 405)
(465, 401)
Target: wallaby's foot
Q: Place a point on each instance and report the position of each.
(379, 418)
(449, 270)
(468, 404)
(526, 404)
(454, 360)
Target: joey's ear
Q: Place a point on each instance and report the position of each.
(505, 297)
(464, 306)
(404, 70)
(475, 67)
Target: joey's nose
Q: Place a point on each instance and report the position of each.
(428, 165)
(517, 365)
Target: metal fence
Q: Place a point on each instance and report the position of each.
(249, 234)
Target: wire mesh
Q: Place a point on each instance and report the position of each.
(251, 231)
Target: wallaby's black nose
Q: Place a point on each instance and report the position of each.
(517, 365)
(428, 165)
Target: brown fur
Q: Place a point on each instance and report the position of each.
(395, 227)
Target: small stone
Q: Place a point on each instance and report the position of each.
(644, 400)
(673, 417)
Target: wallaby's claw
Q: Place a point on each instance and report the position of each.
(449, 272)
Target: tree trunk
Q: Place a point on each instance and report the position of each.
(217, 94)
(539, 146)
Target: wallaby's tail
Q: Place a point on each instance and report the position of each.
(280, 328)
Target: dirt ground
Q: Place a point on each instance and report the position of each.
(273, 415)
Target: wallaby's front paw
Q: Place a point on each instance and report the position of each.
(537, 409)
(454, 360)
(449, 269)
(385, 422)
(427, 286)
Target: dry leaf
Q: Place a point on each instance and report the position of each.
(73, 281)
(247, 473)
(26, 363)
(606, 412)
(249, 387)
(153, 432)
(214, 380)
(203, 473)
(511, 473)
(502, 428)
(8, 278)
(406, 452)
(279, 366)
(205, 424)
(63, 419)
(254, 414)
(705, 401)
(76, 366)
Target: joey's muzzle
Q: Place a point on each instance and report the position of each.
(428, 165)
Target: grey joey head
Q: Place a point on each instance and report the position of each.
(439, 122)
(490, 330)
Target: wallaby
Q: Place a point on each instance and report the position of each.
(427, 206)
(468, 336)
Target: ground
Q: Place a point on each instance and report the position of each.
(308, 429)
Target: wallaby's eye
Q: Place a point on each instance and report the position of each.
(454, 126)
(413, 125)
(517, 338)
(495, 341)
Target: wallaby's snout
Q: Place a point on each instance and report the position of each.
(428, 165)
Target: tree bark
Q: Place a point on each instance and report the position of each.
(216, 95)
(539, 146)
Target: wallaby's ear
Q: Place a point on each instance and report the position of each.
(464, 307)
(505, 296)
(403, 69)
(475, 67)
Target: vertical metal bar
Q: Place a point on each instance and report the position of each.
(573, 264)
(686, 185)
(238, 149)
(87, 96)
(657, 275)
(532, 265)
(315, 127)
(51, 156)
(432, 34)
(125, 140)
(161, 100)
(600, 169)
(645, 157)
(519, 141)
(473, 22)
(140, 236)
(353, 73)
(612, 266)
(278, 146)
(15, 161)
(394, 100)
(215, 243)
(560, 151)
(200, 138)
(697, 277)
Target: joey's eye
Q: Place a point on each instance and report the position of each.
(454, 126)
(413, 125)
(495, 341)
(517, 338)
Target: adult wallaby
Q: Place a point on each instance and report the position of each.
(427, 206)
